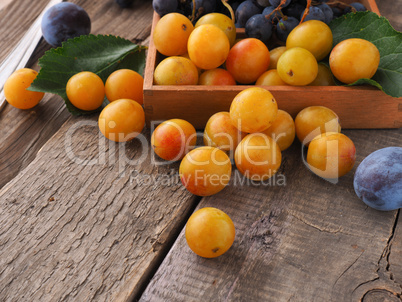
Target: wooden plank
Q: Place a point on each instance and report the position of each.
(85, 222)
(25, 131)
(15, 18)
(20, 56)
(4, 4)
(310, 240)
(392, 12)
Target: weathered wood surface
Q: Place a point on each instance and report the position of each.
(85, 222)
(25, 132)
(99, 232)
(310, 240)
(75, 232)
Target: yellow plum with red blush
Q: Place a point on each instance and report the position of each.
(331, 155)
(216, 77)
(173, 139)
(221, 133)
(247, 60)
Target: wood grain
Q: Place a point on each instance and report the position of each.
(310, 240)
(393, 11)
(19, 57)
(84, 221)
(25, 131)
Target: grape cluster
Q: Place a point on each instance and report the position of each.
(261, 18)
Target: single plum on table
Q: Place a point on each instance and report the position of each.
(64, 21)
(378, 179)
(210, 232)
(15, 89)
(85, 90)
(331, 155)
(205, 171)
(122, 120)
(313, 120)
(221, 133)
(258, 157)
(125, 84)
(173, 139)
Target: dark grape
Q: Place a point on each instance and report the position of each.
(259, 27)
(357, 6)
(274, 18)
(275, 3)
(263, 3)
(245, 11)
(328, 13)
(285, 26)
(204, 7)
(124, 3)
(294, 10)
(337, 12)
(314, 14)
(163, 7)
(63, 21)
(378, 179)
(185, 8)
(235, 4)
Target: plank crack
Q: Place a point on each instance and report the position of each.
(383, 266)
(364, 283)
(319, 228)
(348, 268)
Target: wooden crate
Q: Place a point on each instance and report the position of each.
(357, 107)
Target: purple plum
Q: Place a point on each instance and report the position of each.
(378, 179)
(63, 21)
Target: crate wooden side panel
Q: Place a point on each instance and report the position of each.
(357, 107)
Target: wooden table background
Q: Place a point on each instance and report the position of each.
(111, 231)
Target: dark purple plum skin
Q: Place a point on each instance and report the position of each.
(378, 179)
(64, 21)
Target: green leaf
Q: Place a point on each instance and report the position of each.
(100, 54)
(378, 30)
